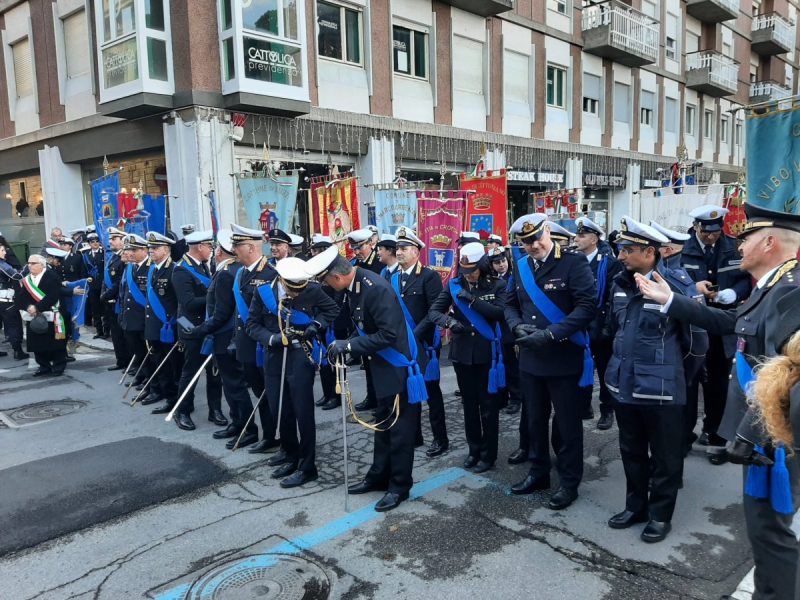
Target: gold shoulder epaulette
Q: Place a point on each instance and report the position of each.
(785, 268)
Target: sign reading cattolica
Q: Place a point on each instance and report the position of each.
(272, 61)
(120, 64)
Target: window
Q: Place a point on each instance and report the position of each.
(737, 133)
(671, 115)
(671, 42)
(119, 19)
(723, 130)
(339, 35)
(561, 6)
(708, 124)
(516, 80)
(410, 51)
(271, 17)
(691, 115)
(468, 69)
(76, 45)
(556, 86)
(646, 108)
(23, 68)
(650, 8)
(622, 102)
(591, 94)
(692, 42)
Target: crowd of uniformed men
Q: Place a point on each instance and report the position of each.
(529, 325)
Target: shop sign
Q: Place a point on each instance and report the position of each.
(596, 180)
(543, 177)
(119, 63)
(272, 62)
(651, 183)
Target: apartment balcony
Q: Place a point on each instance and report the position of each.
(765, 91)
(711, 73)
(614, 30)
(713, 11)
(484, 8)
(772, 34)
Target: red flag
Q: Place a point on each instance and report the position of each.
(487, 208)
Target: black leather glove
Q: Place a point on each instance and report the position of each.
(538, 339)
(524, 329)
(465, 295)
(310, 332)
(456, 326)
(338, 348)
(274, 341)
(742, 452)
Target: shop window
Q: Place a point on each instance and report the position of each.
(556, 86)
(691, 117)
(339, 32)
(591, 94)
(410, 52)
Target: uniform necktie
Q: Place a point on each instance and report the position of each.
(709, 250)
(536, 265)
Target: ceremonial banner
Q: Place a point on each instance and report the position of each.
(212, 205)
(126, 205)
(269, 202)
(334, 208)
(395, 208)
(104, 204)
(487, 207)
(76, 306)
(441, 217)
(773, 157)
(156, 209)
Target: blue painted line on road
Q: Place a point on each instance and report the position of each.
(316, 537)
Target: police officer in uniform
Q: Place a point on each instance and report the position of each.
(604, 268)
(220, 327)
(296, 246)
(712, 260)
(476, 350)
(387, 255)
(94, 259)
(493, 242)
(159, 324)
(9, 315)
(770, 242)
(254, 271)
(375, 310)
(73, 266)
(113, 270)
(133, 299)
(279, 245)
(191, 278)
(419, 287)
(647, 380)
(552, 362)
(286, 317)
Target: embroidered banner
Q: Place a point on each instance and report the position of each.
(441, 218)
(334, 208)
(104, 204)
(269, 201)
(395, 208)
(487, 208)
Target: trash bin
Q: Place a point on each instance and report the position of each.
(21, 249)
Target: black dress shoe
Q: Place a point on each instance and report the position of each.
(281, 458)
(2, 354)
(605, 421)
(162, 410)
(626, 519)
(41, 372)
(717, 458)
(588, 415)
(216, 417)
(436, 449)
(71, 359)
(530, 484)
(99, 336)
(264, 447)
(224, 434)
(320, 401)
(331, 404)
(703, 439)
(184, 421)
(470, 462)
(512, 408)
(518, 456)
(57, 372)
(655, 531)
(247, 439)
(365, 405)
(364, 487)
(482, 467)
(298, 478)
(20, 355)
(284, 470)
(390, 501)
(116, 368)
(457, 393)
(139, 387)
(152, 399)
(562, 498)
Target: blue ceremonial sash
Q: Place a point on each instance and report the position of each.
(201, 279)
(134, 290)
(167, 335)
(497, 372)
(241, 305)
(106, 274)
(91, 268)
(602, 275)
(432, 370)
(555, 315)
(293, 317)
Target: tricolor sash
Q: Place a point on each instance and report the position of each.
(432, 370)
(167, 334)
(58, 319)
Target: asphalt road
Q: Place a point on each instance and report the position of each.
(110, 502)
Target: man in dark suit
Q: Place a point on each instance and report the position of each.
(133, 300)
(381, 326)
(770, 242)
(94, 261)
(113, 270)
(72, 264)
(551, 335)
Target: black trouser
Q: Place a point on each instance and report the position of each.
(693, 368)
(166, 380)
(559, 395)
(98, 314)
(192, 360)
(651, 446)
(297, 404)
(254, 376)
(436, 414)
(54, 360)
(134, 340)
(12, 323)
(510, 394)
(393, 451)
(776, 552)
(236, 394)
(524, 440)
(372, 401)
(715, 387)
(121, 351)
(601, 353)
(481, 422)
(327, 378)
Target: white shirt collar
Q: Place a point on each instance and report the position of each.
(702, 245)
(393, 268)
(162, 263)
(765, 279)
(252, 267)
(139, 264)
(590, 257)
(352, 285)
(410, 269)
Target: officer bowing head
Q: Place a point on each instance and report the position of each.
(466, 237)
(469, 264)
(331, 268)
(294, 276)
(708, 221)
(534, 233)
(408, 246)
(279, 244)
(638, 246)
(224, 248)
(159, 246)
(361, 243)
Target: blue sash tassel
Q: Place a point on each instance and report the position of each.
(780, 490)
(208, 345)
(432, 369)
(415, 382)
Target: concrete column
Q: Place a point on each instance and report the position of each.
(621, 202)
(375, 167)
(573, 177)
(62, 190)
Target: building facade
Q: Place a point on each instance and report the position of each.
(597, 95)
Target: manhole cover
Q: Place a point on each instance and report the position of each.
(43, 411)
(263, 577)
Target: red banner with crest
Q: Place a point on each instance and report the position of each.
(487, 207)
(440, 220)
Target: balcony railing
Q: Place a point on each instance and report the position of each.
(768, 90)
(713, 11)
(712, 73)
(772, 34)
(615, 30)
